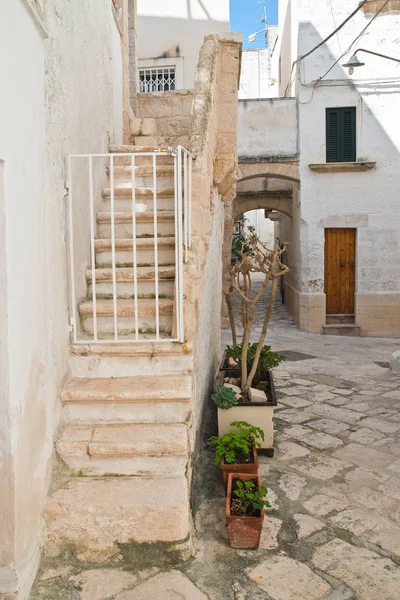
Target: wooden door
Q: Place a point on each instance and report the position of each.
(340, 258)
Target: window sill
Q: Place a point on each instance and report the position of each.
(349, 167)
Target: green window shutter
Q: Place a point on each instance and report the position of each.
(341, 134)
(332, 135)
(348, 141)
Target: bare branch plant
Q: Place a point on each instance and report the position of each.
(256, 257)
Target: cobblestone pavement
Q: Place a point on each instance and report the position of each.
(333, 531)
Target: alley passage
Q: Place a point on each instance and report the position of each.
(333, 531)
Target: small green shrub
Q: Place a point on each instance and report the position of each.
(236, 442)
(225, 397)
(238, 239)
(268, 360)
(248, 499)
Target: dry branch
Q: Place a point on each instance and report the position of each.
(256, 257)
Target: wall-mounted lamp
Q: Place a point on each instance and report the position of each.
(354, 62)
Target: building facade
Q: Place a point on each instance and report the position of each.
(170, 35)
(344, 226)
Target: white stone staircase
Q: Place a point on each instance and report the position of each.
(123, 231)
(125, 435)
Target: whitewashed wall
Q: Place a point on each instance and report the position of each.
(258, 76)
(367, 200)
(62, 96)
(175, 31)
(267, 127)
(264, 227)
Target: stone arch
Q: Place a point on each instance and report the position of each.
(284, 170)
(242, 204)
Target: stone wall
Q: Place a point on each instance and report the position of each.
(172, 112)
(213, 141)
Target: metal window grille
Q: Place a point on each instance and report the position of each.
(160, 79)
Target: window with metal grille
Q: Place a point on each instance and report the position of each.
(161, 79)
(341, 135)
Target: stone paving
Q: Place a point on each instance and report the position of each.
(333, 529)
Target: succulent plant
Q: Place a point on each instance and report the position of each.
(225, 397)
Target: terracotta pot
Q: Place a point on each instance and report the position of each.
(227, 468)
(244, 532)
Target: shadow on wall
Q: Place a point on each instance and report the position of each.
(177, 29)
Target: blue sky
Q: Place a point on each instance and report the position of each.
(246, 15)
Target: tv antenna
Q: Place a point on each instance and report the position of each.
(264, 29)
(264, 22)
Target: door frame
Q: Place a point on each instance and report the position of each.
(355, 229)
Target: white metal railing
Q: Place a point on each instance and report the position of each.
(87, 176)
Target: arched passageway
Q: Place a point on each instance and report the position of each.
(263, 187)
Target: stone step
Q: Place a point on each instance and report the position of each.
(144, 127)
(145, 193)
(133, 148)
(129, 389)
(125, 449)
(95, 515)
(339, 319)
(144, 223)
(166, 203)
(150, 359)
(126, 316)
(147, 140)
(161, 159)
(144, 175)
(125, 283)
(144, 250)
(347, 329)
(139, 399)
(98, 413)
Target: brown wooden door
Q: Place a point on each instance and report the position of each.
(340, 258)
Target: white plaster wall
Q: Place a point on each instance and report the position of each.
(22, 279)
(62, 96)
(284, 48)
(171, 29)
(255, 80)
(366, 200)
(265, 228)
(208, 345)
(267, 128)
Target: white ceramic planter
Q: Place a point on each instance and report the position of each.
(257, 414)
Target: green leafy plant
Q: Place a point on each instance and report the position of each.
(248, 499)
(225, 397)
(238, 239)
(268, 359)
(236, 442)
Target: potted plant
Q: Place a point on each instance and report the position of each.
(245, 502)
(252, 379)
(236, 451)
